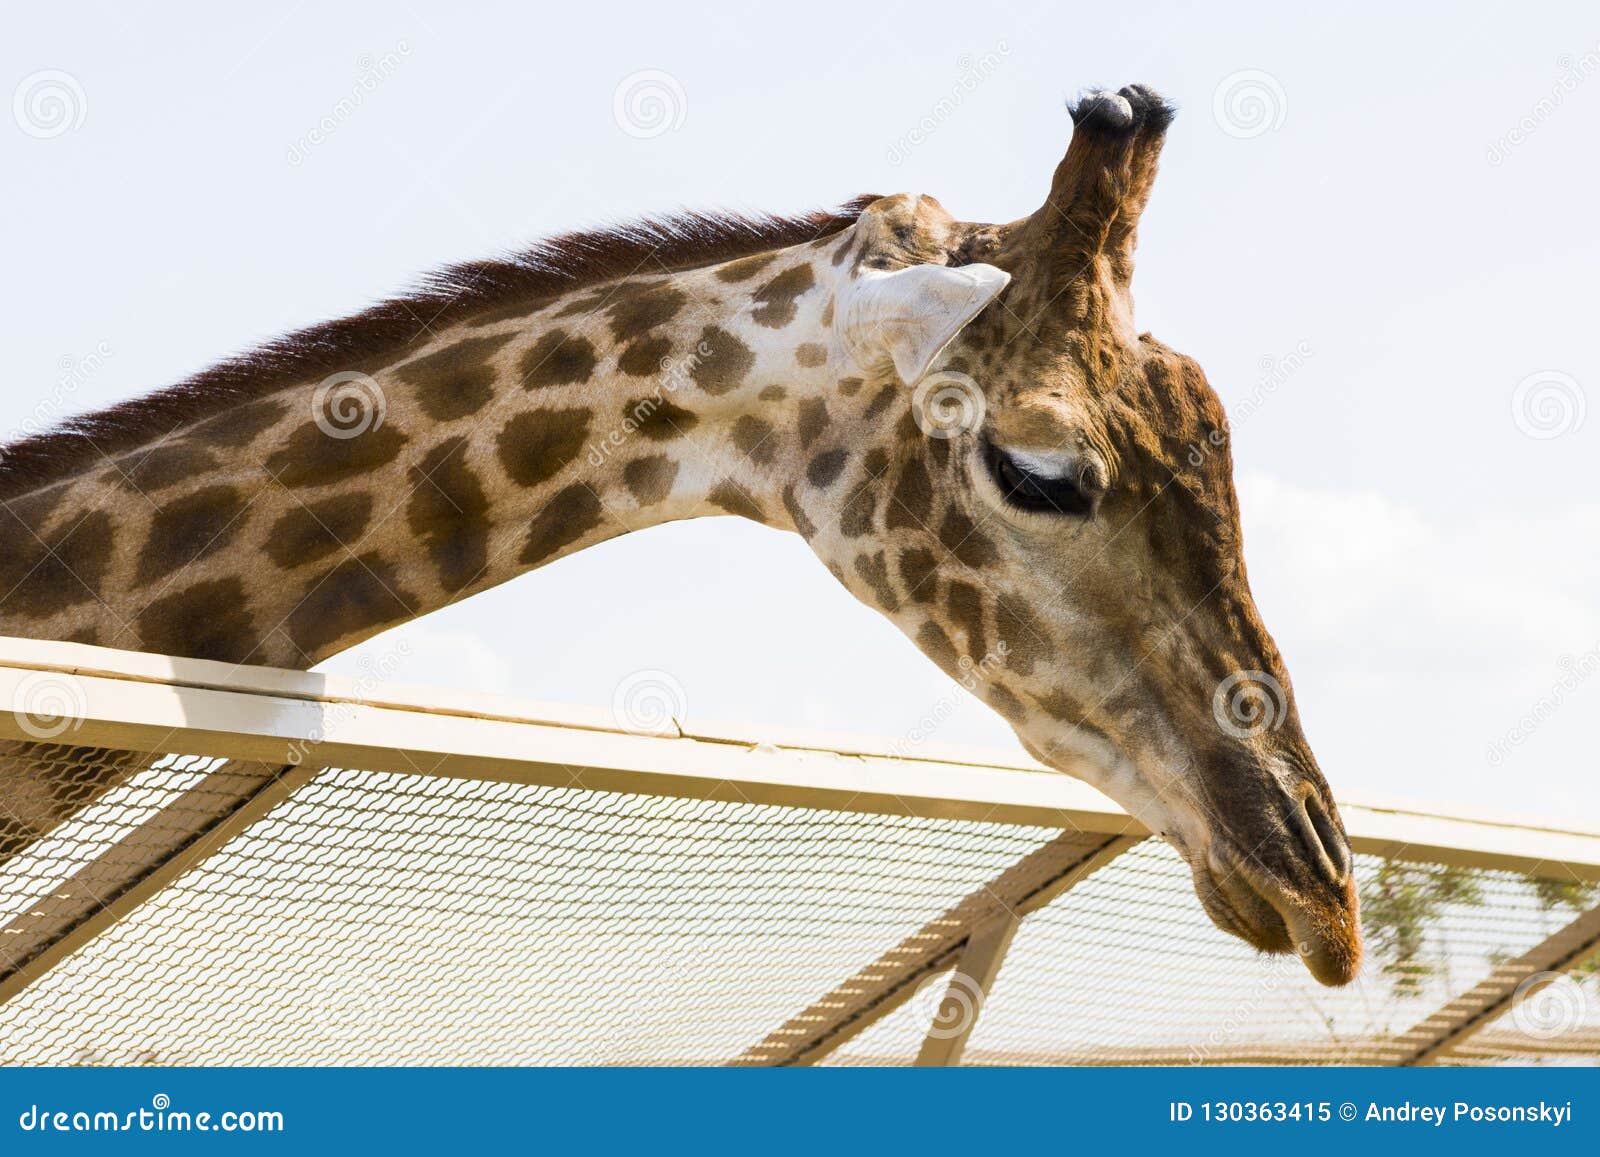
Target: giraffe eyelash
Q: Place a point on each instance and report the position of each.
(1025, 487)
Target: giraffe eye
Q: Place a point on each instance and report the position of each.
(1025, 486)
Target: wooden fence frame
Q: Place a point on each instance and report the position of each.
(279, 728)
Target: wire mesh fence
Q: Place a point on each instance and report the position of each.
(376, 918)
(1130, 938)
(382, 917)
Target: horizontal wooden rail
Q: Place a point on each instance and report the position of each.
(285, 718)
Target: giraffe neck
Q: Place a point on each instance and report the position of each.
(286, 529)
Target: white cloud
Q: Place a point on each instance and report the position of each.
(1415, 643)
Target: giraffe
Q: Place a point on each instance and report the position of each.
(961, 420)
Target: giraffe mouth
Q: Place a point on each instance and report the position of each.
(1278, 918)
(1239, 910)
(1298, 898)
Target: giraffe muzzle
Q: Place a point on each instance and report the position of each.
(1301, 898)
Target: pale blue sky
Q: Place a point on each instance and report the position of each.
(1428, 566)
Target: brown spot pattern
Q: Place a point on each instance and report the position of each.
(874, 571)
(588, 302)
(824, 469)
(313, 458)
(746, 267)
(39, 578)
(965, 605)
(454, 382)
(188, 529)
(536, 446)
(912, 504)
(754, 437)
(636, 311)
(643, 358)
(861, 508)
(730, 496)
(937, 646)
(962, 539)
(882, 401)
(209, 620)
(917, 568)
(1006, 703)
(567, 517)
(802, 522)
(659, 419)
(358, 595)
(649, 479)
(813, 420)
(557, 359)
(308, 533)
(725, 363)
(240, 427)
(449, 511)
(1018, 628)
(775, 301)
(150, 472)
(26, 516)
(1060, 705)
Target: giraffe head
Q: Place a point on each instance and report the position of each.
(1053, 521)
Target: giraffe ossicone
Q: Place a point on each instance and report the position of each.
(1057, 547)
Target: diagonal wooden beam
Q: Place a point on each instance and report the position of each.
(138, 852)
(107, 890)
(1477, 1008)
(969, 987)
(888, 982)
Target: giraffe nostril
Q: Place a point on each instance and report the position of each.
(1322, 831)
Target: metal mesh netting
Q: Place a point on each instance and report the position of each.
(377, 918)
(1125, 969)
(1556, 1024)
(896, 1039)
(393, 919)
(53, 883)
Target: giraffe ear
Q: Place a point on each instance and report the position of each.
(909, 315)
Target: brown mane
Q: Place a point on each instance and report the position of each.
(555, 266)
